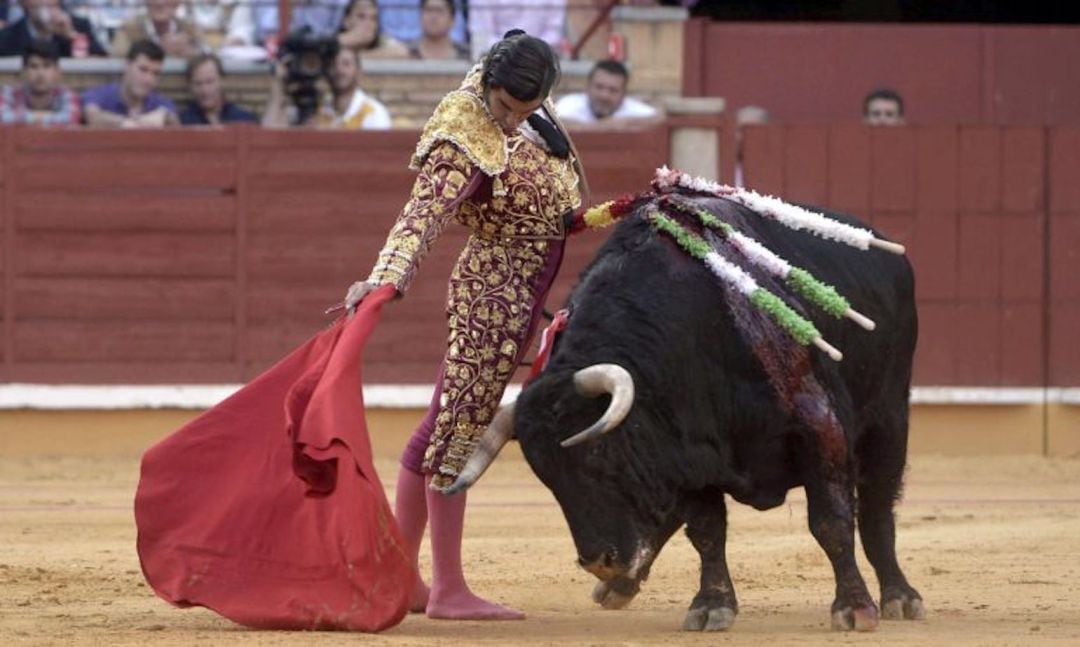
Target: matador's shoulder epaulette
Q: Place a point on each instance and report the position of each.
(462, 118)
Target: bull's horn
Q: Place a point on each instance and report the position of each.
(599, 379)
(491, 443)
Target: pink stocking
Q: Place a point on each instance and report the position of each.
(450, 595)
(410, 509)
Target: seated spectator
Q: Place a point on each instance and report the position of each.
(49, 20)
(489, 20)
(40, 99)
(209, 107)
(221, 23)
(322, 16)
(436, 19)
(360, 29)
(604, 100)
(133, 102)
(347, 108)
(159, 23)
(401, 19)
(883, 107)
(105, 16)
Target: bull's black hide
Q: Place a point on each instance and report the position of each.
(727, 404)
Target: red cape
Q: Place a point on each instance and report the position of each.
(267, 508)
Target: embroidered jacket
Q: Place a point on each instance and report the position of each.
(512, 194)
(470, 171)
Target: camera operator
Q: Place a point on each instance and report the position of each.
(294, 99)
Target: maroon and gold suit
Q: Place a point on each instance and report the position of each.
(512, 193)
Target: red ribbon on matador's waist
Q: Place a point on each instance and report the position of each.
(547, 340)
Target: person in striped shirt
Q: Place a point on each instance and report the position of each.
(40, 98)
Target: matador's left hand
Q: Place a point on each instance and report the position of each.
(357, 292)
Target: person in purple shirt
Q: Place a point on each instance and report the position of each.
(209, 106)
(133, 102)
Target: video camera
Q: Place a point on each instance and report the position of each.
(308, 57)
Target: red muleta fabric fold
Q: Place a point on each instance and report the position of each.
(267, 508)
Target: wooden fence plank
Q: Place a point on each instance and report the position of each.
(977, 343)
(101, 209)
(979, 257)
(371, 211)
(935, 354)
(1022, 352)
(123, 254)
(849, 169)
(1064, 352)
(62, 141)
(1023, 169)
(1022, 256)
(933, 253)
(93, 169)
(1065, 259)
(129, 298)
(806, 165)
(125, 340)
(937, 174)
(1064, 144)
(980, 169)
(892, 160)
(763, 159)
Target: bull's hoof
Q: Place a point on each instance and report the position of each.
(706, 619)
(859, 619)
(614, 594)
(903, 608)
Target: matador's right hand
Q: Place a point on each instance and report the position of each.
(357, 292)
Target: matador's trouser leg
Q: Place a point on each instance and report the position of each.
(419, 444)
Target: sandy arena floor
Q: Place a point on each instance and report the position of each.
(993, 544)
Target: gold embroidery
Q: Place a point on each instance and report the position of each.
(491, 294)
(458, 449)
(426, 214)
(529, 199)
(462, 118)
(487, 336)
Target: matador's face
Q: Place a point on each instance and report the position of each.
(507, 111)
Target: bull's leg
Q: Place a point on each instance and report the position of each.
(829, 483)
(832, 523)
(881, 468)
(714, 607)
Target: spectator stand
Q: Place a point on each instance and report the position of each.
(410, 88)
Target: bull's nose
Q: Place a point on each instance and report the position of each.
(602, 567)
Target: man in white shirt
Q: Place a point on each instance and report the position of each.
(347, 107)
(604, 100)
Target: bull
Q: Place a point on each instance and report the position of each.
(686, 395)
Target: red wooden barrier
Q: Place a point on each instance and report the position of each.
(1064, 249)
(819, 73)
(970, 203)
(202, 256)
